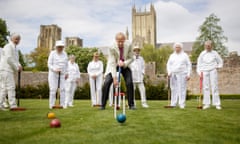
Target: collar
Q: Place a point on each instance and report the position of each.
(12, 44)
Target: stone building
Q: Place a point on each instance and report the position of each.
(144, 26)
(48, 35)
(75, 41)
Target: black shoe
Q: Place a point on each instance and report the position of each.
(102, 108)
(132, 108)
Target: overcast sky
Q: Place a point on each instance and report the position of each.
(97, 21)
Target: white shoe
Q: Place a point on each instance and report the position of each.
(182, 107)
(145, 105)
(5, 105)
(71, 105)
(218, 107)
(206, 107)
(3, 109)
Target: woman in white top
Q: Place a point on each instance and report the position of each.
(71, 81)
(95, 72)
(57, 65)
(179, 69)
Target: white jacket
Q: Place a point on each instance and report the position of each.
(208, 61)
(73, 71)
(138, 69)
(9, 58)
(95, 68)
(58, 61)
(179, 63)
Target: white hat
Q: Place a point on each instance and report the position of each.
(136, 47)
(59, 43)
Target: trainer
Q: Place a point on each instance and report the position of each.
(138, 72)
(95, 72)
(57, 63)
(120, 55)
(179, 69)
(208, 62)
(9, 65)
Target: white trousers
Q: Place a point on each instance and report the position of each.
(70, 88)
(210, 78)
(142, 91)
(53, 85)
(178, 84)
(96, 90)
(7, 87)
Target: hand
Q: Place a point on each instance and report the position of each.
(169, 76)
(57, 70)
(78, 80)
(187, 78)
(121, 63)
(66, 76)
(94, 77)
(20, 68)
(115, 82)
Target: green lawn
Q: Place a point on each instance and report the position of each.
(86, 125)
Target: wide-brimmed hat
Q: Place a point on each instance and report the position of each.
(59, 43)
(136, 47)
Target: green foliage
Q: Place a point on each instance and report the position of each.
(38, 58)
(159, 55)
(21, 59)
(82, 92)
(3, 32)
(210, 30)
(84, 56)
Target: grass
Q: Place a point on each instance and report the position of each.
(86, 125)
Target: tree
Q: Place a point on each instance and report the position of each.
(83, 56)
(38, 58)
(159, 55)
(210, 30)
(3, 32)
(21, 59)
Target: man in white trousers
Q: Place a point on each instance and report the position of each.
(208, 62)
(72, 81)
(57, 64)
(138, 72)
(95, 72)
(9, 65)
(179, 69)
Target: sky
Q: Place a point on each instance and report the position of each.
(97, 21)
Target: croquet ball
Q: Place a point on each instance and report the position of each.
(55, 123)
(51, 115)
(121, 118)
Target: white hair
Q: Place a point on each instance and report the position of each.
(178, 44)
(15, 35)
(71, 56)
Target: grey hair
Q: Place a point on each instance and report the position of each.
(13, 35)
(178, 43)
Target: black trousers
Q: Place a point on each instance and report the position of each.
(127, 74)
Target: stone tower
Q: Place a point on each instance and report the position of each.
(48, 35)
(144, 26)
(127, 34)
(76, 41)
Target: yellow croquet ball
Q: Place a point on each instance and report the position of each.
(51, 115)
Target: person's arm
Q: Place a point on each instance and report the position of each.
(219, 60)
(112, 62)
(169, 65)
(78, 71)
(89, 70)
(199, 63)
(129, 57)
(50, 62)
(189, 65)
(143, 66)
(9, 52)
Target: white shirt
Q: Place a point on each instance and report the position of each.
(179, 63)
(95, 68)
(9, 58)
(138, 69)
(73, 71)
(208, 61)
(58, 61)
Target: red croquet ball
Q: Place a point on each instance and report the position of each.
(55, 123)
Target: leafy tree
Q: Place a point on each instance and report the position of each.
(38, 58)
(84, 56)
(210, 30)
(21, 59)
(159, 55)
(3, 32)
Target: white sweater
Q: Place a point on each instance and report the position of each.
(95, 68)
(9, 58)
(73, 71)
(179, 63)
(208, 61)
(138, 69)
(58, 61)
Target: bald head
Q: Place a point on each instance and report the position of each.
(208, 45)
(120, 39)
(15, 38)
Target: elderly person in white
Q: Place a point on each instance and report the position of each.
(57, 65)
(9, 64)
(138, 71)
(179, 69)
(207, 63)
(95, 72)
(71, 81)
